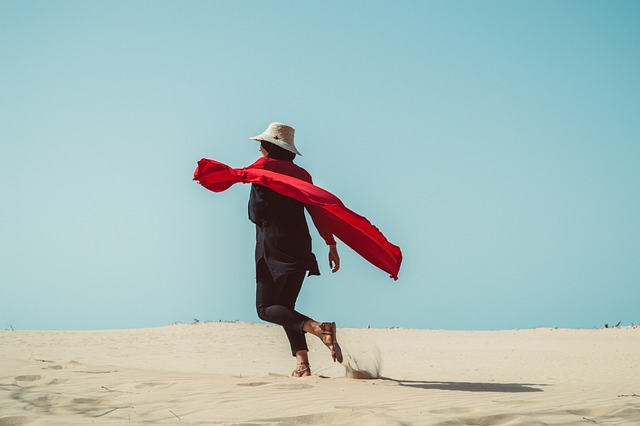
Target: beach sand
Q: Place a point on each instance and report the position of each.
(238, 374)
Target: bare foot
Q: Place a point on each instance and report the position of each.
(326, 331)
(302, 370)
(330, 340)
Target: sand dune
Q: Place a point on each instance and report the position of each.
(237, 374)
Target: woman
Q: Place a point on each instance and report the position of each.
(283, 250)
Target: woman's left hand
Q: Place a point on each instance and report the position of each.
(334, 259)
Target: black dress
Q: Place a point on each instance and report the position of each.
(283, 256)
(282, 234)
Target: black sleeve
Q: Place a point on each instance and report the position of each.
(257, 205)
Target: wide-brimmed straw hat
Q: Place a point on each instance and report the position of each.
(279, 134)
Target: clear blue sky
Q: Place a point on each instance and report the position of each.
(496, 142)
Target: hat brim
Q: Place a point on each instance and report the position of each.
(281, 144)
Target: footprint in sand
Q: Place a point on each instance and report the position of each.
(28, 378)
(55, 367)
(285, 386)
(16, 420)
(85, 401)
(154, 385)
(47, 402)
(252, 384)
(99, 371)
(292, 386)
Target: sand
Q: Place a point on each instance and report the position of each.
(237, 374)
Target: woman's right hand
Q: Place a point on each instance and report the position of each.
(334, 258)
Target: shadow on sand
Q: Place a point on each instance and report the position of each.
(468, 386)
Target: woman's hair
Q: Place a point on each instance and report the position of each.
(275, 152)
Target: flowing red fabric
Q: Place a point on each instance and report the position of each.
(328, 213)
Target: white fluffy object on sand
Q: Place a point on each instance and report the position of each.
(238, 373)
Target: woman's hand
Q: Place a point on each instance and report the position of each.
(334, 259)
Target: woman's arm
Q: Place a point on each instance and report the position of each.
(334, 259)
(257, 205)
(324, 230)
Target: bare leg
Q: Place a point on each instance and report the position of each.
(313, 327)
(302, 357)
(326, 332)
(303, 369)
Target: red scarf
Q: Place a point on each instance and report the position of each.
(330, 216)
